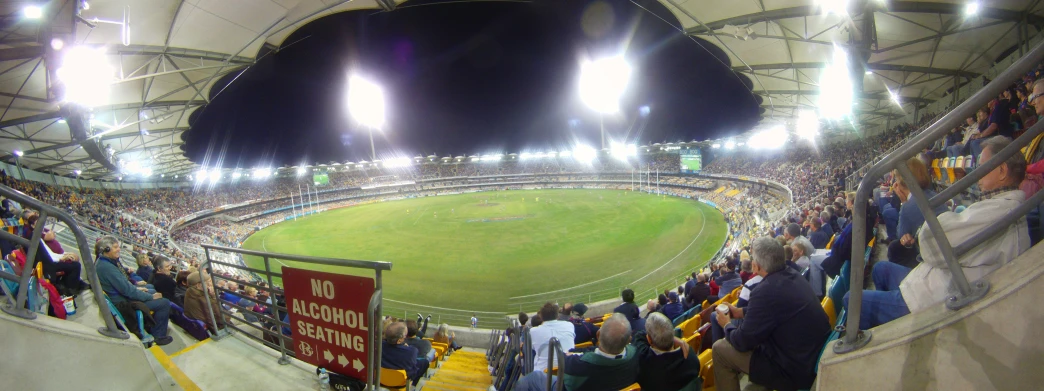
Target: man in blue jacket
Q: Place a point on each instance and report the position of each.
(783, 329)
(396, 354)
(114, 282)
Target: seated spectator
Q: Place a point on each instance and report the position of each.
(728, 281)
(745, 272)
(62, 270)
(231, 286)
(583, 330)
(901, 290)
(818, 237)
(423, 346)
(674, 307)
(115, 284)
(162, 280)
(250, 303)
(396, 354)
(800, 249)
(554, 328)
(422, 323)
(611, 366)
(145, 268)
(180, 288)
(196, 303)
(782, 332)
(664, 361)
(793, 231)
(628, 308)
(563, 313)
(523, 319)
(841, 250)
(904, 250)
(444, 335)
(699, 291)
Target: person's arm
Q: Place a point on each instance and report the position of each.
(989, 130)
(109, 274)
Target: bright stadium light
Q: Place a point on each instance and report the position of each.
(302, 170)
(602, 83)
(807, 125)
(397, 162)
(730, 144)
(622, 151)
(77, 172)
(18, 153)
(716, 145)
(201, 175)
(261, 173)
(215, 175)
(32, 12)
(839, 7)
(525, 156)
(835, 98)
(86, 76)
(366, 105)
(971, 9)
(771, 138)
(583, 153)
(237, 175)
(565, 154)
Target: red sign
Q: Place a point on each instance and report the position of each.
(328, 319)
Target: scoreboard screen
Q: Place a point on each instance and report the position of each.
(320, 179)
(691, 161)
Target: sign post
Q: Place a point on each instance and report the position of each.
(330, 319)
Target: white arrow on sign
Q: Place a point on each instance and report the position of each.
(358, 365)
(341, 359)
(327, 355)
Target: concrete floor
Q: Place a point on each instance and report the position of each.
(238, 363)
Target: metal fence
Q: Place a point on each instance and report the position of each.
(275, 323)
(16, 301)
(967, 292)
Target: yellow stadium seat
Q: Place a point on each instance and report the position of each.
(935, 170)
(394, 379)
(690, 326)
(828, 307)
(583, 345)
(694, 341)
(632, 387)
(707, 369)
(831, 242)
(958, 168)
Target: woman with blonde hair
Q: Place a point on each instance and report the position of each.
(444, 335)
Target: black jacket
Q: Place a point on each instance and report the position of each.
(785, 327)
(697, 294)
(164, 285)
(630, 310)
(668, 371)
(401, 357)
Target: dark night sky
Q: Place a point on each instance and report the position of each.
(468, 78)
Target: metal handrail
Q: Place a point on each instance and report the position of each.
(527, 347)
(16, 306)
(967, 292)
(554, 348)
(373, 311)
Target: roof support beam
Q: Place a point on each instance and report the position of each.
(892, 7)
(871, 66)
(876, 96)
(193, 54)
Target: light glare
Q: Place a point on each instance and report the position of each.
(771, 138)
(86, 75)
(835, 99)
(622, 151)
(584, 153)
(971, 9)
(32, 12)
(808, 125)
(366, 102)
(603, 82)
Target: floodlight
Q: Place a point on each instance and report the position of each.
(57, 44)
(565, 154)
(301, 170)
(397, 162)
(366, 101)
(236, 175)
(836, 97)
(32, 12)
(525, 155)
(77, 172)
(869, 72)
(622, 151)
(839, 7)
(146, 172)
(730, 144)
(895, 97)
(716, 145)
(260, 173)
(807, 125)
(18, 153)
(971, 9)
(603, 82)
(86, 76)
(771, 138)
(584, 153)
(643, 111)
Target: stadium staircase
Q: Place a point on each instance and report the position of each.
(461, 371)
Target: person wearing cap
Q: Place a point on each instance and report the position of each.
(196, 302)
(584, 331)
(674, 307)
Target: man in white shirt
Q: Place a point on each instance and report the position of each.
(541, 335)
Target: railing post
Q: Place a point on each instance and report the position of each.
(283, 359)
(218, 332)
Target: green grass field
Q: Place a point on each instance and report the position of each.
(496, 251)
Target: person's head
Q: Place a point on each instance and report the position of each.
(443, 330)
(1035, 99)
(143, 260)
(920, 173)
(578, 310)
(1010, 173)
(702, 277)
(232, 286)
(566, 309)
(662, 299)
(673, 297)
(549, 311)
(395, 333)
(793, 231)
(163, 265)
(970, 120)
(627, 295)
(817, 224)
(182, 278)
(250, 291)
(536, 320)
(615, 334)
(411, 328)
(983, 113)
(651, 305)
(107, 246)
(825, 214)
(839, 208)
(694, 275)
(768, 256)
(745, 266)
(659, 331)
(195, 280)
(523, 317)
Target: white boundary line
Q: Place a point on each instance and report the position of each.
(266, 250)
(682, 251)
(566, 289)
(443, 308)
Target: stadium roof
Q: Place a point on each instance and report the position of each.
(175, 53)
(916, 49)
(177, 50)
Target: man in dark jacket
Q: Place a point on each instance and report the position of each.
(584, 331)
(396, 354)
(818, 237)
(119, 289)
(664, 361)
(423, 346)
(783, 329)
(699, 291)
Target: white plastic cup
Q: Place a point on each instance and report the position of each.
(723, 309)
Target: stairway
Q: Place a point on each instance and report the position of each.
(462, 371)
